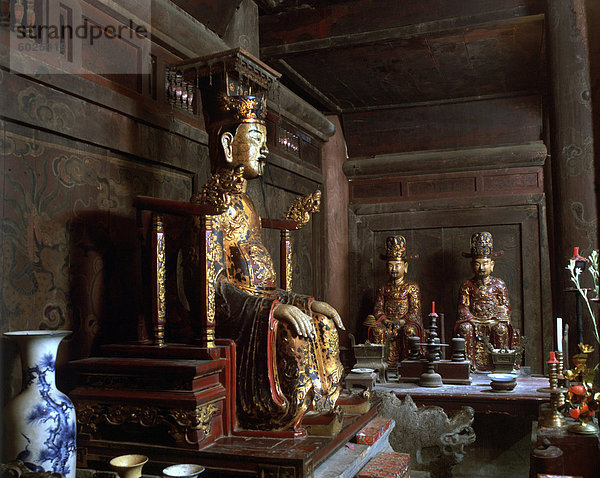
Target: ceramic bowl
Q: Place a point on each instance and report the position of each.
(129, 466)
(183, 471)
(504, 382)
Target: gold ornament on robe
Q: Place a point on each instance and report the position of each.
(218, 190)
(301, 209)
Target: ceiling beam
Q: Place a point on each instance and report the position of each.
(499, 18)
(446, 101)
(213, 15)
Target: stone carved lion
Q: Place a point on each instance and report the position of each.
(434, 441)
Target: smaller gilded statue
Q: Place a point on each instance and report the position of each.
(484, 313)
(397, 312)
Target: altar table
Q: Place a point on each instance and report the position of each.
(523, 401)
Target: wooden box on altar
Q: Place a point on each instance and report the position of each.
(373, 431)
(455, 373)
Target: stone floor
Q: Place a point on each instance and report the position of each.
(501, 450)
(503, 442)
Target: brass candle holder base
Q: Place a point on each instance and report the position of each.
(584, 428)
(553, 418)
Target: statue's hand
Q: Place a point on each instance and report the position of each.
(324, 308)
(293, 315)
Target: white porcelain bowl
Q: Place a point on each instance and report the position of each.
(362, 370)
(187, 470)
(502, 377)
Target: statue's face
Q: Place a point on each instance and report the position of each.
(247, 148)
(397, 269)
(482, 267)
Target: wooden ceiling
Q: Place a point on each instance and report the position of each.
(345, 56)
(361, 55)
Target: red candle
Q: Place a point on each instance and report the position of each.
(433, 307)
(577, 256)
(552, 358)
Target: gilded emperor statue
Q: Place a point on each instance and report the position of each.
(397, 311)
(287, 349)
(484, 306)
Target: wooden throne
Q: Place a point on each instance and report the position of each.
(157, 390)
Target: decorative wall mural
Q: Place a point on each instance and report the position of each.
(38, 108)
(35, 272)
(68, 232)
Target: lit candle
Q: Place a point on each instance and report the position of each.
(559, 334)
(552, 358)
(575, 251)
(433, 307)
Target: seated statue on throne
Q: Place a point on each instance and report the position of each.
(287, 350)
(484, 312)
(397, 312)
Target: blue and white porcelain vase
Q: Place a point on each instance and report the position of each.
(40, 426)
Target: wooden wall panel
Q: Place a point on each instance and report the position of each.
(443, 126)
(478, 61)
(281, 190)
(493, 182)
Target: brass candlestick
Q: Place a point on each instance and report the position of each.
(553, 419)
(560, 377)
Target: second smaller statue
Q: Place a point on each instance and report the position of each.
(397, 312)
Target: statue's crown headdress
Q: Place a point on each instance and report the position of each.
(482, 246)
(245, 109)
(395, 248)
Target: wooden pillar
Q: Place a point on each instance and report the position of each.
(593, 25)
(572, 151)
(337, 192)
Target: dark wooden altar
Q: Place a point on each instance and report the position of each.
(233, 455)
(438, 212)
(176, 402)
(523, 401)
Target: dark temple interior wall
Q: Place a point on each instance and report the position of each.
(75, 151)
(444, 120)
